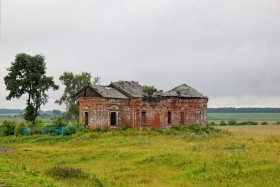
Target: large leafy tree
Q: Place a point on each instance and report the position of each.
(27, 75)
(73, 83)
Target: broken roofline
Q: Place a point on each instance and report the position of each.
(132, 89)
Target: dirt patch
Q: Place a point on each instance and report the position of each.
(2, 149)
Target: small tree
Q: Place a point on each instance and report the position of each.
(73, 83)
(149, 90)
(27, 75)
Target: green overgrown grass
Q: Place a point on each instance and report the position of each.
(18, 175)
(197, 156)
(59, 172)
(244, 116)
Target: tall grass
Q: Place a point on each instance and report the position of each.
(199, 156)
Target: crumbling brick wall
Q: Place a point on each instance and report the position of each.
(182, 112)
(154, 112)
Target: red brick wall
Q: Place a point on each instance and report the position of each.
(129, 111)
(195, 112)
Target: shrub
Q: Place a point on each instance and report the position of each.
(253, 123)
(176, 127)
(38, 122)
(59, 172)
(195, 128)
(104, 128)
(248, 123)
(126, 127)
(18, 129)
(277, 123)
(35, 130)
(264, 123)
(211, 123)
(203, 129)
(8, 127)
(223, 123)
(59, 121)
(69, 130)
(232, 122)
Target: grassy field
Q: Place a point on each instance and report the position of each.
(270, 118)
(245, 116)
(256, 131)
(245, 157)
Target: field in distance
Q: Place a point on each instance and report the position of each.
(253, 130)
(258, 117)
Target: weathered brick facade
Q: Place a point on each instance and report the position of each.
(97, 108)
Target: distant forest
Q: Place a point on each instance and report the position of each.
(18, 113)
(243, 110)
(10, 111)
(4, 111)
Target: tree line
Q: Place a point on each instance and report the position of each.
(243, 110)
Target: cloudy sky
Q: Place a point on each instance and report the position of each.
(228, 50)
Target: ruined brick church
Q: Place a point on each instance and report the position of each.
(124, 104)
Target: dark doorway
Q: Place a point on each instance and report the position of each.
(169, 118)
(182, 118)
(86, 118)
(143, 118)
(113, 118)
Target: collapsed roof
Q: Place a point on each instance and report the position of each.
(132, 89)
(99, 91)
(182, 91)
(109, 92)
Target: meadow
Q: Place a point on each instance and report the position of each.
(244, 116)
(270, 118)
(235, 156)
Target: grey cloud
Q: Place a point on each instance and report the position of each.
(225, 49)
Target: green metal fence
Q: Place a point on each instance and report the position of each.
(25, 131)
(60, 130)
(49, 130)
(52, 130)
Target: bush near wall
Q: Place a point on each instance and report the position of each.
(8, 128)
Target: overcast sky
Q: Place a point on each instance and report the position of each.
(229, 50)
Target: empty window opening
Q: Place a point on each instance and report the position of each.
(113, 118)
(143, 118)
(169, 118)
(182, 118)
(86, 118)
